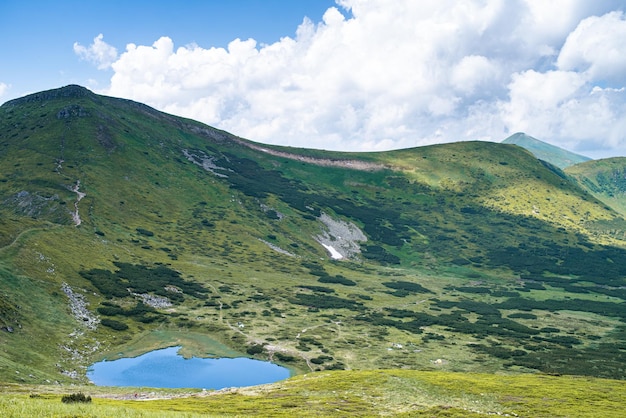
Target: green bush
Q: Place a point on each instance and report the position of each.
(116, 325)
(76, 398)
(255, 349)
(142, 279)
(321, 359)
(470, 289)
(378, 253)
(407, 286)
(339, 279)
(522, 315)
(320, 289)
(145, 232)
(284, 357)
(325, 302)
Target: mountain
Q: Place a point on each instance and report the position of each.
(124, 229)
(546, 152)
(605, 179)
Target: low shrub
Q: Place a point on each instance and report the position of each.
(76, 398)
(255, 349)
(284, 357)
(145, 232)
(407, 286)
(116, 325)
(339, 279)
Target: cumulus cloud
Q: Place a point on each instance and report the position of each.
(538, 99)
(381, 74)
(473, 72)
(99, 52)
(597, 47)
(3, 89)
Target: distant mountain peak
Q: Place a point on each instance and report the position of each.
(542, 150)
(520, 137)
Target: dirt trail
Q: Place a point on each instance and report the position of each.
(79, 196)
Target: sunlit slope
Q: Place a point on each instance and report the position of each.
(605, 179)
(403, 393)
(502, 178)
(133, 229)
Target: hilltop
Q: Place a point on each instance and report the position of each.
(124, 229)
(546, 152)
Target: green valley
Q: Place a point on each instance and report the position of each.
(472, 270)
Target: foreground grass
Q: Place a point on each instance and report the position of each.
(344, 393)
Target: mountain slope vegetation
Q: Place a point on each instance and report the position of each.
(124, 229)
(605, 179)
(354, 393)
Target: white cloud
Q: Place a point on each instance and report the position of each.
(380, 74)
(3, 89)
(565, 108)
(473, 72)
(99, 52)
(536, 99)
(597, 47)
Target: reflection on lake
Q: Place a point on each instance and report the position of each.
(165, 368)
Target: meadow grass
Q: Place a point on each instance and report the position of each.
(345, 393)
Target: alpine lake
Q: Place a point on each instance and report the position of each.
(166, 368)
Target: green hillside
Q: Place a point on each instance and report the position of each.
(363, 393)
(605, 179)
(546, 152)
(124, 229)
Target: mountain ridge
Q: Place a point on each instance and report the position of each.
(471, 249)
(544, 151)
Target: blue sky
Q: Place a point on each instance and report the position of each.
(36, 36)
(353, 75)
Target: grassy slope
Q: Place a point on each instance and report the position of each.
(477, 225)
(347, 393)
(604, 179)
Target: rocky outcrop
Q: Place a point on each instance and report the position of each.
(36, 205)
(78, 306)
(341, 239)
(157, 302)
(207, 162)
(72, 111)
(277, 248)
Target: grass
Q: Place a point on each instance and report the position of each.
(347, 393)
(193, 344)
(604, 180)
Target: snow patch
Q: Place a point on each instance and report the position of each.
(334, 254)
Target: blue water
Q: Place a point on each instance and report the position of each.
(165, 368)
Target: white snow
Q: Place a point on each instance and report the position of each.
(334, 254)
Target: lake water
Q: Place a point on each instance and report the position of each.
(165, 368)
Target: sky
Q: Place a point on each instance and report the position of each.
(346, 75)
